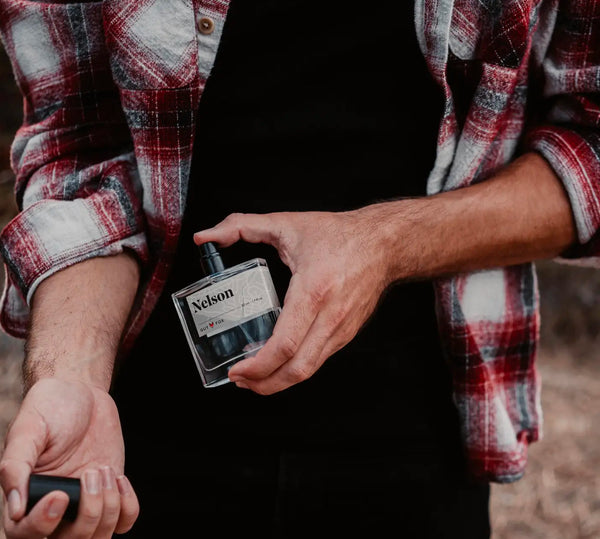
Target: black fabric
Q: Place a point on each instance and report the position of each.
(360, 491)
(329, 108)
(326, 110)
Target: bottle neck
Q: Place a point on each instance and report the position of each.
(210, 259)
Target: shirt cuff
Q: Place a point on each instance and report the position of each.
(52, 235)
(575, 158)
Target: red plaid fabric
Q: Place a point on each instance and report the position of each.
(111, 91)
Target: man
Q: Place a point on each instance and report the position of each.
(344, 411)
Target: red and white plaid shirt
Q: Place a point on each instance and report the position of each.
(111, 91)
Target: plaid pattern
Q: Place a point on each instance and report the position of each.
(111, 91)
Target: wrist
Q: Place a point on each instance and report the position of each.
(522, 214)
(401, 239)
(90, 368)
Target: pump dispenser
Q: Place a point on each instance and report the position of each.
(210, 259)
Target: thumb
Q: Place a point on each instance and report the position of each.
(250, 227)
(24, 443)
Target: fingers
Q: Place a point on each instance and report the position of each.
(103, 509)
(130, 507)
(110, 504)
(23, 442)
(41, 521)
(253, 228)
(90, 510)
(322, 309)
(107, 505)
(311, 355)
(299, 312)
(323, 339)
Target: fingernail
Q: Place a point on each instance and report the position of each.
(123, 485)
(107, 477)
(56, 507)
(242, 385)
(14, 503)
(91, 481)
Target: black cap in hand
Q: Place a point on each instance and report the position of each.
(40, 485)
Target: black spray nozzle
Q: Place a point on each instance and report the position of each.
(40, 485)
(210, 258)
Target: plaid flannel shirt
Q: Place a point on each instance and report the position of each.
(102, 161)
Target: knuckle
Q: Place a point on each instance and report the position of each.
(112, 508)
(233, 218)
(257, 372)
(89, 515)
(337, 316)
(10, 469)
(313, 363)
(345, 336)
(4, 465)
(288, 347)
(317, 294)
(299, 373)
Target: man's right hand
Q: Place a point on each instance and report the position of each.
(67, 428)
(68, 424)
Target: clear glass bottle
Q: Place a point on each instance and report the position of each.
(228, 315)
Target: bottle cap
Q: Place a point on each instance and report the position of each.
(40, 485)
(210, 258)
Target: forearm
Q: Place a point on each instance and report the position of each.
(77, 318)
(520, 215)
(341, 262)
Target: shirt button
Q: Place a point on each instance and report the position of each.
(206, 25)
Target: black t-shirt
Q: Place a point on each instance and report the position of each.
(326, 107)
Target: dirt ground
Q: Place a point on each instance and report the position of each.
(559, 496)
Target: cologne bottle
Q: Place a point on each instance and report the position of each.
(228, 315)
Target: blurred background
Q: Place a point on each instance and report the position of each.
(559, 497)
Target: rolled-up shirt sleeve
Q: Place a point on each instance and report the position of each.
(77, 186)
(567, 134)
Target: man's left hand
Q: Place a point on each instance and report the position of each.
(339, 272)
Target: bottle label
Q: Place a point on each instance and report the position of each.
(233, 301)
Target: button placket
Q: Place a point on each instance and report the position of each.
(205, 25)
(209, 28)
